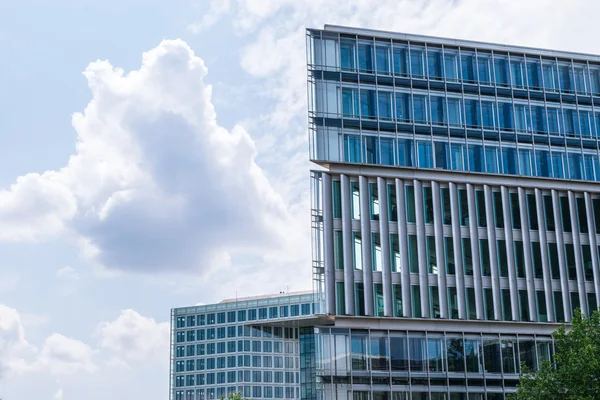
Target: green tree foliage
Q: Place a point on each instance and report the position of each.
(577, 372)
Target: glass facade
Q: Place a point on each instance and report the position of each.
(420, 102)
(483, 163)
(222, 348)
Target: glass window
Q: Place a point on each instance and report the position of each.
(468, 66)
(400, 59)
(553, 260)
(558, 164)
(446, 210)
(519, 259)
(434, 302)
(492, 356)
(549, 213)
(427, 205)
(488, 300)
(355, 204)
(527, 352)
(458, 157)
(442, 155)
(456, 361)
(480, 202)
(484, 251)
(525, 162)
(406, 153)
(509, 161)
(506, 307)
(502, 258)
(543, 164)
(416, 301)
(340, 298)
(509, 358)
(534, 74)
(559, 311)
(359, 299)
(550, 72)
(467, 256)
(338, 249)
(413, 260)
(570, 260)
(473, 352)
(432, 267)
(374, 201)
(397, 292)
(515, 210)
(536, 260)
(410, 204)
(449, 250)
(565, 216)
(452, 303)
(417, 351)
(378, 297)
(498, 213)
(387, 151)
(582, 215)
(471, 306)
(425, 156)
(475, 152)
(357, 250)
(501, 70)
(575, 166)
(541, 306)
(523, 306)
(348, 54)
(382, 57)
(586, 256)
(417, 61)
(454, 111)
(365, 57)
(517, 66)
(464, 207)
(379, 354)
(371, 148)
(532, 212)
(395, 253)
(398, 353)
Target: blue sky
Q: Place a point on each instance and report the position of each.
(154, 154)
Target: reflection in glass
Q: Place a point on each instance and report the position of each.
(398, 353)
(456, 355)
(417, 351)
(435, 354)
(473, 355)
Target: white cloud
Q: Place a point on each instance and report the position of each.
(58, 395)
(155, 182)
(67, 273)
(14, 348)
(216, 10)
(134, 337)
(63, 355)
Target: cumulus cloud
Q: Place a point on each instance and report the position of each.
(134, 337)
(67, 273)
(155, 181)
(130, 338)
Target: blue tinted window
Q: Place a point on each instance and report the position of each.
(371, 151)
(403, 107)
(575, 166)
(509, 161)
(488, 114)
(384, 105)
(425, 154)
(420, 108)
(400, 60)
(550, 72)
(387, 151)
(451, 65)
(565, 77)
(491, 159)
(365, 57)
(454, 112)
(505, 115)
(475, 158)
(438, 110)
(458, 157)
(472, 113)
(417, 61)
(534, 74)
(525, 162)
(468, 66)
(518, 71)
(441, 155)
(406, 153)
(347, 53)
(558, 164)
(592, 168)
(367, 103)
(351, 148)
(434, 63)
(539, 119)
(522, 118)
(382, 57)
(501, 70)
(484, 68)
(350, 102)
(542, 161)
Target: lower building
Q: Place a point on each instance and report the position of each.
(245, 345)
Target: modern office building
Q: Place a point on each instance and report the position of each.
(238, 346)
(456, 212)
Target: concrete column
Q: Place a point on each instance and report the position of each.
(328, 245)
(577, 247)
(541, 216)
(529, 276)
(384, 233)
(422, 250)
(348, 243)
(510, 253)
(457, 244)
(589, 205)
(493, 253)
(403, 243)
(365, 233)
(440, 255)
(560, 246)
(475, 252)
